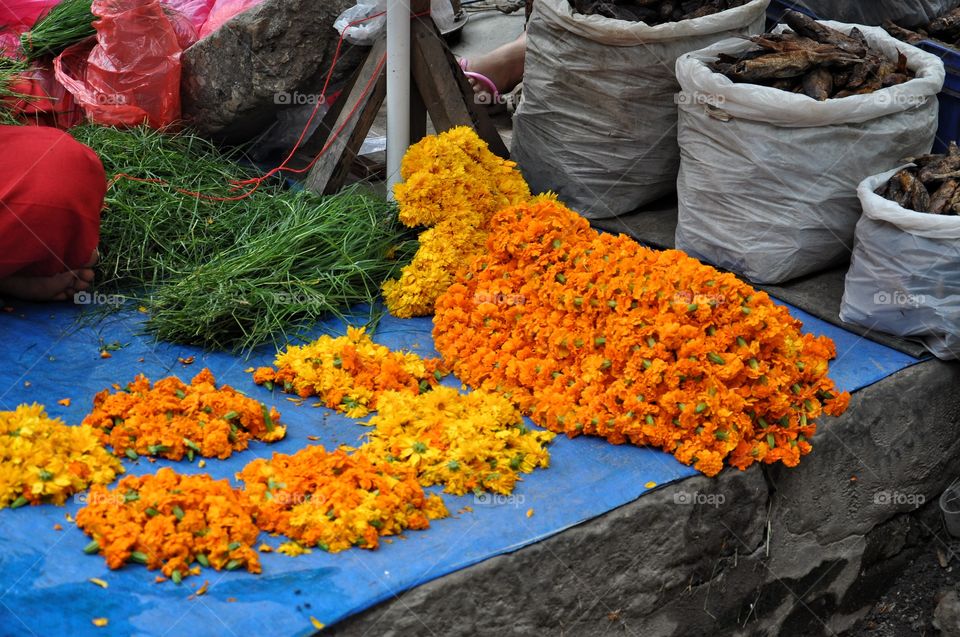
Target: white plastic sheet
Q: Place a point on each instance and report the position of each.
(904, 277)
(768, 179)
(370, 18)
(597, 122)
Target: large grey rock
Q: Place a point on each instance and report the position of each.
(774, 552)
(263, 61)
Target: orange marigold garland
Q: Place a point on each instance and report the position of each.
(594, 334)
(172, 522)
(349, 372)
(172, 419)
(466, 442)
(335, 500)
(43, 460)
(453, 183)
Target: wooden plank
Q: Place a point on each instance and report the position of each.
(328, 175)
(311, 146)
(418, 115)
(448, 95)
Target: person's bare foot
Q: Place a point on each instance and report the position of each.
(503, 65)
(59, 287)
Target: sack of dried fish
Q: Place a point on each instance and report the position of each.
(598, 118)
(874, 12)
(945, 28)
(904, 275)
(654, 12)
(768, 178)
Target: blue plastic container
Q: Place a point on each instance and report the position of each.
(949, 128)
(778, 7)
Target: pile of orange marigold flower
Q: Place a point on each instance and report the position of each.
(454, 184)
(173, 419)
(172, 522)
(594, 334)
(336, 500)
(349, 372)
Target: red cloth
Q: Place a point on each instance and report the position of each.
(51, 194)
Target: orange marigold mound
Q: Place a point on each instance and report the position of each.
(335, 500)
(172, 419)
(594, 334)
(172, 522)
(349, 372)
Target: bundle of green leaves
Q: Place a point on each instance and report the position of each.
(234, 273)
(66, 23)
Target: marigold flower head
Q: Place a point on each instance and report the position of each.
(172, 522)
(336, 500)
(172, 419)
(453, 183)
(466, 442)
(593, 334)
(43, 460)
(349, 372)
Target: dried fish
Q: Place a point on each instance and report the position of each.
(943, 197)
(654, 12)
(818, 61)
(932, 185)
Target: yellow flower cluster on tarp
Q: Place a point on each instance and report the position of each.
(349, 372)
(453, 183)
(466, 442)
(44, 460)
(335, 500)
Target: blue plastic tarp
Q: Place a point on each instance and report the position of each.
(44, 587)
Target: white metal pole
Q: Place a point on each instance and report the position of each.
(398, 88)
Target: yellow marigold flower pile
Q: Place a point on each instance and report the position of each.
(349, 372)
(335, 500)
(453, 183)
(594, 334)
(173, 419)
(466, 442)
(172, 522)
(42, 460)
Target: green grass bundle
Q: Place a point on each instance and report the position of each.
(66, 23)
(234, 274)
(10, 71)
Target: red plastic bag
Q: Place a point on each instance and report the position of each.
(186, 33)
(222, 11)
(196, 11)
(132, 75)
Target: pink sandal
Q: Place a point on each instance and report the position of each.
(484, 80)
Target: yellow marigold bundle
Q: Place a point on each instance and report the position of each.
(336, 500)
(172, 419)
(594, 334)
(453, 183)
(348, 373)
(466, 442)
(172, 522)
(43, 460)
